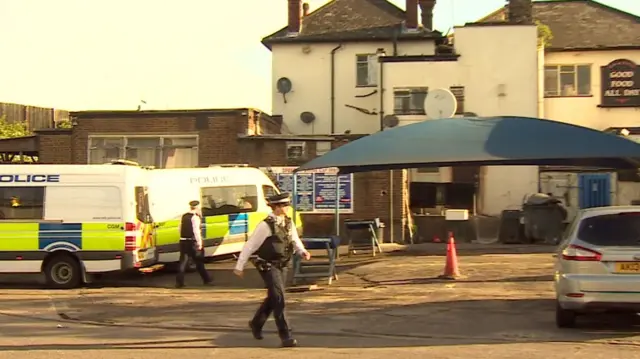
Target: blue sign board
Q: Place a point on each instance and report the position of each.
(316, 190)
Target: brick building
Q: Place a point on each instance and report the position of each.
(199, 138)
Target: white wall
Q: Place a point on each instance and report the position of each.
(584, 111)
(499, 68)
(310, 74)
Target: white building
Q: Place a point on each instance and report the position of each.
(351, 62)
(591, 79)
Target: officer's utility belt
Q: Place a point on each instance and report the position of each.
(264, 265)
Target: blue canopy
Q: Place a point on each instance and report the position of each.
(504, 140)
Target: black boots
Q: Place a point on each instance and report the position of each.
(257, 333)
(289, 343)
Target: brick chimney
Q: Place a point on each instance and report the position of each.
(520, 11)
(426, 8)
(295, 16)
(411, 20)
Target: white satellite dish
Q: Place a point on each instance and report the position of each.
(440, 103)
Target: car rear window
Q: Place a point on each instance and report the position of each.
(620, 229)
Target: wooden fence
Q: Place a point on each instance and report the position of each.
(35, 117)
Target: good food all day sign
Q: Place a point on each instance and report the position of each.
(620, 84)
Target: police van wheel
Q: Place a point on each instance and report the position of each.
(63, 272)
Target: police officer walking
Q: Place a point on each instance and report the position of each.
(274, 241)
(191, 246)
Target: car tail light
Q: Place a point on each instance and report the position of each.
(130, 226)
(578, 253)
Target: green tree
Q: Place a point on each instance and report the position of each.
(544, 34)
(64, 124)
(12, 130)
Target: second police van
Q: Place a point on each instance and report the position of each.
(232, 199)
(71, 221)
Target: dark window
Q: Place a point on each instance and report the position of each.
(143, 213)
(409, 101)
(21, 203)
(229, 200)
(567, 80)
(622, 229)
(366, 70)
(458, 92)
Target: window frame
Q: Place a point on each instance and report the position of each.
(206, 213)
(557, 69)
(372, 70)
(409, 93)
(3, 216)
(160, 148)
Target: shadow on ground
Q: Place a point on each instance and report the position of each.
(343, 323)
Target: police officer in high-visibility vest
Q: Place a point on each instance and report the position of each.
(191, 245)
(274, 241)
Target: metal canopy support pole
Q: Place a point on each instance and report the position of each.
(337, 210)
(294, 198)
(391, 239)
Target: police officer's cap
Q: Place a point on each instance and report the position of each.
(194, 203)
(279, 199)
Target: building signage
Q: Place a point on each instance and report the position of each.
(620, 84)
(316, 189)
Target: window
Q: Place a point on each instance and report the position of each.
(428, 170)
(621, 230)
(21, 203)
(158, 151)
(144, 150)
(458, 92)
(104, 150)
(409, 101)
(366, 70)
(567, 80)
(296, 151)
(229, 200)
(180, 152)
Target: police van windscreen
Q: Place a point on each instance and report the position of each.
(143, 213)
(620, 230)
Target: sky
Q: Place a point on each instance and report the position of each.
(113, 54)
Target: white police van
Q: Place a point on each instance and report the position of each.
(67, 221)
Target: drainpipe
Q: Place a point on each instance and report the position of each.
(333, 88)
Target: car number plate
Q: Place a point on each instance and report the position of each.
(628, 267)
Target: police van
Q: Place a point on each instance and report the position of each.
(71, 221)
(232, 199)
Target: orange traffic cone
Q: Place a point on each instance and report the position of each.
(451, 270)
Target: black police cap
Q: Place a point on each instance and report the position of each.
(282, 198)
(194, 203)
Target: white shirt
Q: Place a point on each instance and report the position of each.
(196, 223)
(258, 237)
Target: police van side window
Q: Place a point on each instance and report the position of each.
(21, 203)
(217, 201)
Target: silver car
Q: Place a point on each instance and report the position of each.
(597, 266)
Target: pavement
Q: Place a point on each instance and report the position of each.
(380, 306)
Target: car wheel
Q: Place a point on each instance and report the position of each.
(565, 318)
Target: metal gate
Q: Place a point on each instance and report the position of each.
(594, 190)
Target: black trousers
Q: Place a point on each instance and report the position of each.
(274, 279)
(188, 250)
